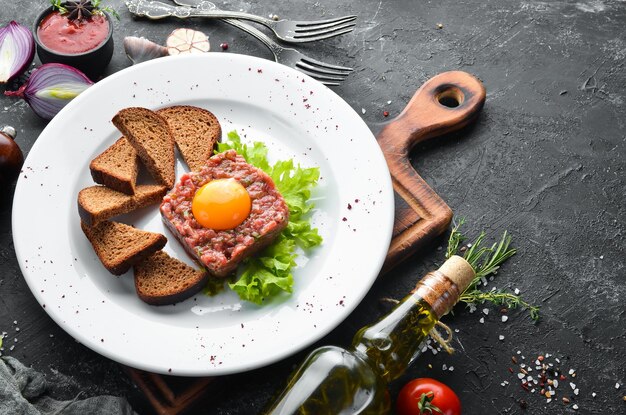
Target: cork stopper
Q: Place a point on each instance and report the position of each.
(459, 271)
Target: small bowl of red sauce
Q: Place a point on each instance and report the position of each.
(86, 44)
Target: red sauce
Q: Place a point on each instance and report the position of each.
(60, 34)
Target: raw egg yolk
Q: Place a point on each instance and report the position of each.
(221, 204)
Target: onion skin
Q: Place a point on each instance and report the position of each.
(17, 50)
(51, 87)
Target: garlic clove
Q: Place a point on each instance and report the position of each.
(183, 40)
(140, 49)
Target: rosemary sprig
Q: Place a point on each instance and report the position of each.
(486, 261)
(455, 239)
(499, 297)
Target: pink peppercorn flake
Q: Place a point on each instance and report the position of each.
(224, 46)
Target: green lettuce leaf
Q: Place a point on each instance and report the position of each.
(268, 274)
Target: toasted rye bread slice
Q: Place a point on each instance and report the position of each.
(99, 203)
(151, 137)
(120, 246)
(161, 279)
(116, 167)
(195, 132)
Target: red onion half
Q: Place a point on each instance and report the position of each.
(51, 87)
(17, 50)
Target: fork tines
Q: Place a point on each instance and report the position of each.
(324, 29)
(324, 72)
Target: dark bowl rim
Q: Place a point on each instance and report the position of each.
(49, 10)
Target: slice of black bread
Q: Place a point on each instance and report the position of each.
(150, 136)
(161, 279)
(195, 132)
(120, 246)
(116, 167)
(99, 203)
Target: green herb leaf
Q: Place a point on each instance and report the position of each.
(268, 274)
(486, 261)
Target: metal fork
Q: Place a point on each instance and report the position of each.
(326, 73)
(293, 31)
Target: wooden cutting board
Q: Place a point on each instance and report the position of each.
(445, 103)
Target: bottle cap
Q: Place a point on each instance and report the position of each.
(459, 271)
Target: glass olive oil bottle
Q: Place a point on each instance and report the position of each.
(338, 381)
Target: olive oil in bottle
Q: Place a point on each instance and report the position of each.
(338, 381)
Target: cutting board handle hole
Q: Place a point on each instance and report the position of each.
(450, 96)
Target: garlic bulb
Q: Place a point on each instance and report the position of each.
(187, 41)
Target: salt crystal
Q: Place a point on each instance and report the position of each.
(424, 349)
(501, 337)
(601, 256)
(529, 378)
(451, 368)
(617, 385)
(575, 406)
(523, 365)
(532, 390)
(572, 385)
(14, 321)
(12, 347)
(363, 110)
(555, 383)
(456, 330)
(444, 367)
(434, 351)
(571, 371)
(593, 394)
(557, 360)
(548, 400)
(519, 352)
(505, 318)
(388, 102)
(576, 391)
(516, 291)
(485, 311)
(482, 320)
(520, 376)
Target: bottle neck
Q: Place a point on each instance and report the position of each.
(438, 291)
(391, 344)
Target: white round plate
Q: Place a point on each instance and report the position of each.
(296, 117)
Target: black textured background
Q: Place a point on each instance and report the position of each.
(545, 161)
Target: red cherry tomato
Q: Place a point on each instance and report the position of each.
(428, 392)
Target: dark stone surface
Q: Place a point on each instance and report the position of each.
(545, 161)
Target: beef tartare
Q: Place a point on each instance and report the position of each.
(220, 251)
